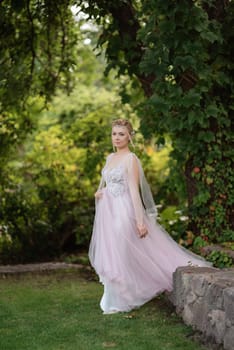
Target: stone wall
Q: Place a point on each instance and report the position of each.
(204, 297)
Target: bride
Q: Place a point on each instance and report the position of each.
(132, 254)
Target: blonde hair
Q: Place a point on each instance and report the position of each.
(128, 125)
(124, 122)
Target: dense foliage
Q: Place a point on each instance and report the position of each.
(38, 54)
(48, 182)
(37, 42)
(180, 54)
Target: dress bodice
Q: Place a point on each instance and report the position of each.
(115, 179)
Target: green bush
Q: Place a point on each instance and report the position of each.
(220, 259)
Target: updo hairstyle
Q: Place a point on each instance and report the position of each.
(126, 123)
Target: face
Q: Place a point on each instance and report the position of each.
(120, 136)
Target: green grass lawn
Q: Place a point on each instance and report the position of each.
(61, 311)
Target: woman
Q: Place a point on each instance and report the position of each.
(133, 255)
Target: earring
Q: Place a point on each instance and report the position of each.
(113, 148)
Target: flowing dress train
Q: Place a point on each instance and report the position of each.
(133, 270)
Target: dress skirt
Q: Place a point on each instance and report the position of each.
(133, 270)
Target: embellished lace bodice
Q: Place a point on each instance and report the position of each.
(127, 178)
(115, 180)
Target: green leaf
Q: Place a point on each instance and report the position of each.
(191, 99)
(206, 136)
(192, 118)
(160, 104)
(209, 36)
(212, 110)
(184, 62)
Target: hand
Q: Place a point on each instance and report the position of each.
(142, 230)
(98, 194)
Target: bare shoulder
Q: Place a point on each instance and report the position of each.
(134, 157)
(132, 160)
(109, 155)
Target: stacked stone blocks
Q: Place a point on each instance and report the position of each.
(204, 297)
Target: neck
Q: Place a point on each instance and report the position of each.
(122, 151)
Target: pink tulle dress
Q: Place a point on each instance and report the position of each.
(133, 270)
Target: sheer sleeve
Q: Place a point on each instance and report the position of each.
(102, 181)
(134, 188)
(140, 192)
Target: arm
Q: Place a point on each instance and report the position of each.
(98, 194)
(133, 182)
